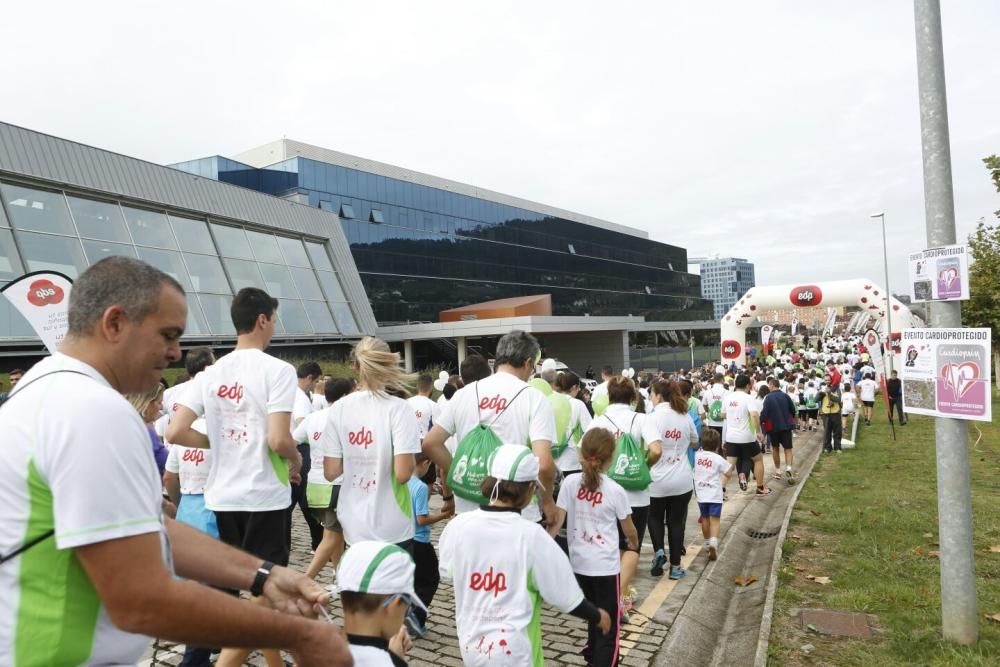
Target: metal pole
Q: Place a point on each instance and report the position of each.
(888, 296)
(958, 567)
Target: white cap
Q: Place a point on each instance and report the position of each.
(514, 463)
(443, 375)
(377, 568)
(549, 365)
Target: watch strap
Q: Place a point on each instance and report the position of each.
(263, 572)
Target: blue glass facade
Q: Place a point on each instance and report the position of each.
(422, 249)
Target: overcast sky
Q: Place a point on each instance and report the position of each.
(767, 130)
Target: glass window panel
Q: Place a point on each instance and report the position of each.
(216, 309)
(295, 254)
(319, 314)
(196, 325)
(278, 282)
(54, 253)
(99, 220)
(169, 262)
(192, 235)
(98, 250)
(149, 228)
(345, 318)
(305, 280)
(376, 216)
(265, 247)
(232, 241)
(243, 273)
(3, 218)
(346, 211)
(317, 252)
(37, 210)
(206, 274)
(331, 286)
(10, 263)
(12, 322)
(293, 316)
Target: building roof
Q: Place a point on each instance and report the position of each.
(284, 149)
(534, 324)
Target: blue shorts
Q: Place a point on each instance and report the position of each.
(192, 511)
(710, 509)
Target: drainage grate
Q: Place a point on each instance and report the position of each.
(763, 534)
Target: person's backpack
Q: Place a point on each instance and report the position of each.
(715, 409)
(470, 466)
(695, 417)
(628, 466)
(562, 410)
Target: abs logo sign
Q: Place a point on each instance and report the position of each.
(731, 349)
(44, 292)
(805, 296)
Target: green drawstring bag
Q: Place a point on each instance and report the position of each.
(628, 466)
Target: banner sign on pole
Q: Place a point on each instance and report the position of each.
(873, 343)
(946, 373)
(42, 297)
(940, 274)
(765, 335)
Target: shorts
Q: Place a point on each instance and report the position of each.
(263, 534)
(640, 516)
(783, 438)
(735, 450)
(717, 429)
(327, 518)
(812, 414)
(869, 404)
(192, 511)
(710, 509)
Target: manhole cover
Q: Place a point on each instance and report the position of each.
(838, 623)
(763, 534)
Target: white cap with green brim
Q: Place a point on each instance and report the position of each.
(377, 568)
(514, 463)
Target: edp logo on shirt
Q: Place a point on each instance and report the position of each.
(496, 403)
(672, 435)
(196, 456)
(489, 582)
(234, 393)
(316, 435)
(361, 438)
(595, 498)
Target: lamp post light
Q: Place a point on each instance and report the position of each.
(888, 293)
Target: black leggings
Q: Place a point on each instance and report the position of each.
(603, 592)
(674, 511)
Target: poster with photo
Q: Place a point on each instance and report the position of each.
(946, 373)
(940, 274)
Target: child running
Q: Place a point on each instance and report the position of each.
(595, 505)
(711, 474)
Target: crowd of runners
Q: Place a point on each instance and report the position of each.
(114, 506)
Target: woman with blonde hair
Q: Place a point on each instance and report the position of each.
(149, 405)
(370, 438)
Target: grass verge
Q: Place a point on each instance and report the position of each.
(867, 519)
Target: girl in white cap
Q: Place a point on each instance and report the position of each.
(503, 567)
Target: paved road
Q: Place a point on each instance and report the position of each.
(660, 601)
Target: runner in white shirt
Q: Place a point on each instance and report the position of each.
(617, 418)
(319, 394)
(568, 384)
(502, 567)
(867, 389)
(848, 403)
(424, 409)
(320, 492)
(83, 471)
(671, 428)
(246, 398)
(711, 473)
(596, 507)
(525, 419)
(713, 399)
(307, 374)
(371, 438)
(742, 439)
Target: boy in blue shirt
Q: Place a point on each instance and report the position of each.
(426, 578)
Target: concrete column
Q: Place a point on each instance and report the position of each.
(461, 350)
(408, 356)
(625, 359)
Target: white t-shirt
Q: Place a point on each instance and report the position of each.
(709, 468)
(523, 419)
(676, 432)
(619, 416)
(425, 411)
(849, 401)
(367, 431)
(373, 656)
(569, 460)
(191, 465)
(319, 402)
(84, 467)
(592, 524)
(739, 425)
(714, 393)
(310, 430)
(867, 389)
(499, 591)
(303, 407)
(171, 395)
(236, 395)
(599, 390)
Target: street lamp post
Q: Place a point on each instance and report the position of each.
(888, 294)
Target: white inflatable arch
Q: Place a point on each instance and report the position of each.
(866, 294)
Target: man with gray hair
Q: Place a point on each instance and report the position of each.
(517, 412)
(80, 504)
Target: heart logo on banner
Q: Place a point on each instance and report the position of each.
(948, 276)
(960, 377)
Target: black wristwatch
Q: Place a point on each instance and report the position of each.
(263, 572)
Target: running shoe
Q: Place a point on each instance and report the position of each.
(743, 482)
(713, 552)
(677, 572)
(790, 477)
(659, 560)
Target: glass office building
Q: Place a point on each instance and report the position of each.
(724, 281)
(423, 244)
(64, 206)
